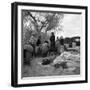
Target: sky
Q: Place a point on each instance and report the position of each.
(71, 26)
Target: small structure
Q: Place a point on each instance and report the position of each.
(67, 42)
(76, 40)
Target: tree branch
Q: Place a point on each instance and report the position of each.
(32, 17)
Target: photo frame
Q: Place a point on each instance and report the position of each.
(31, 65)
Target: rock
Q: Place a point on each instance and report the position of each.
(28, 47)
(58, 60)
(67, 57)
(46, 62)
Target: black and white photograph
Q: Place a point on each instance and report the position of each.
(51, 44)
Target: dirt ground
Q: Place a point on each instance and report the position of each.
(36, 69)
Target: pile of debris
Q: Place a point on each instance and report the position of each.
(65, 56)
(67, 60)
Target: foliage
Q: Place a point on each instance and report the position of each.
(40, 22)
